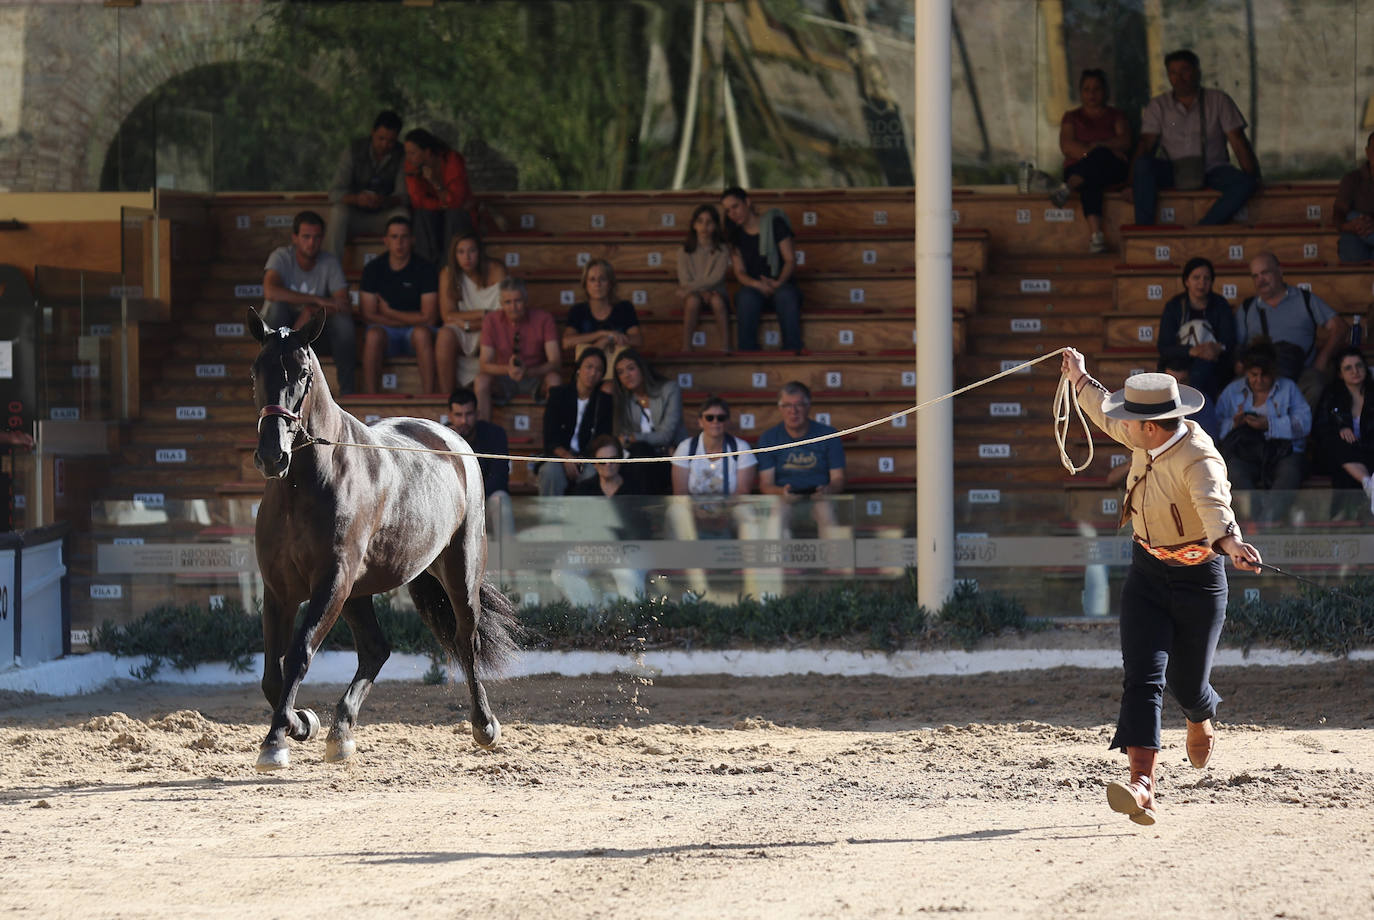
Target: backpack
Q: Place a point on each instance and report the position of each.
(1291, 358)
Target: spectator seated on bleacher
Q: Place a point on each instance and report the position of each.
(808, 469)
(400, 304)
(520, 353)
(369, 185)
(647, 413)
(1345, 425)
(1095, 139)
(722, 476)
(611, 479)
(1264, 424)
(575, 415)
(1191, 127)
(764, 260)
(1353, 211)
(469, 289)
(601, 320)
(701, 265)
(1289, 317)
(440, 197)
(611, 521)
(484, 438)
(1197, 332)
(302, 278)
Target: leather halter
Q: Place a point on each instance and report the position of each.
(275, 411)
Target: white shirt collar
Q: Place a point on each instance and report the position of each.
(1178, 436)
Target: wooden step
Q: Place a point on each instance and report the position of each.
(1145, 290)
(1228, 244)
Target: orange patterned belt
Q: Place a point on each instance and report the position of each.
(1185, 554)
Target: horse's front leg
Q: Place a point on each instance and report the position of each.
(326, 601)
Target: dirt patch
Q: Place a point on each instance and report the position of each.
(697, 797)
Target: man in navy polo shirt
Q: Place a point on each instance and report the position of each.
(400, 304)
(806, 469)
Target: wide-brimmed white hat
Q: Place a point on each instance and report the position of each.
(1151, 396)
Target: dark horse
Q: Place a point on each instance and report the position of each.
(340, 524)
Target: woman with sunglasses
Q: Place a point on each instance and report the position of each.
(722, 476)
(697, 517)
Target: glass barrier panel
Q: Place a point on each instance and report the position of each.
(82, 340)
(1058, 553)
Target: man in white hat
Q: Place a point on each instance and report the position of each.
(1174, 600)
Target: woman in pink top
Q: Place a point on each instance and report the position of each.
(1096, 140)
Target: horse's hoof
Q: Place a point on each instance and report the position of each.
(271, 759)
(488, 735)
(312, 723)
(337, 750)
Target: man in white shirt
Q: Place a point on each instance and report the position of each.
(1191, 127)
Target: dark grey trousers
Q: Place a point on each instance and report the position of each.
(1171, 618)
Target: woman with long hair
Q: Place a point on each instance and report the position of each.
(764, 259)
(647, 416)
(701, 265)
(1345, 424)
(469, 289)
(441, 200)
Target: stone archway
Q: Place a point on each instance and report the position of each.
(86, 69)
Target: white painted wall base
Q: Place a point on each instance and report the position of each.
(79, 674)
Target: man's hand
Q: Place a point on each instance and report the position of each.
(1074, 365)
(1347, 435)
(515, 369)
(369, 200)
(1243, 555)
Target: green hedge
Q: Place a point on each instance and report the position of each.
(885, 617)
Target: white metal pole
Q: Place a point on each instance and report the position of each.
(736, 143)
(934, 307)
(689, 118)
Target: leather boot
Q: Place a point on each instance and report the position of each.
(1201, 739)
(1136, 799)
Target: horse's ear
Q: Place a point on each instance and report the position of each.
(311, 330)
(256, 326)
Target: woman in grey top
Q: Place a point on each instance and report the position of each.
(701, 265)
(647, 413)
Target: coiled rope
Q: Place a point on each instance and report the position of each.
(1065, 402)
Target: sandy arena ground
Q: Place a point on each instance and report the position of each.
(702, 797)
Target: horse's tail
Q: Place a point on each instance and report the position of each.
(498, 629)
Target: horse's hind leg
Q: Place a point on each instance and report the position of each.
(373, 651)
(460, 570)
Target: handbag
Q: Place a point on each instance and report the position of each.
(1190, 173)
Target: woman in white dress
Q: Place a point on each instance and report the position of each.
(469, 288)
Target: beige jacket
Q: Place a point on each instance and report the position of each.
(1186, 495)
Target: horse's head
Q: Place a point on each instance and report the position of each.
(282, 375)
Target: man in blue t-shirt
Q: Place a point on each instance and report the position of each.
(810, 469)
(400, 304)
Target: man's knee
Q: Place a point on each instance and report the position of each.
(1350, 248)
